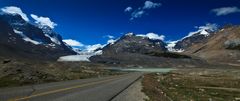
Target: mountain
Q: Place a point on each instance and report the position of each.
(200, 36)
(21, 39)
(222, 47)
(131, 43)
(136, 50)
(194, 39)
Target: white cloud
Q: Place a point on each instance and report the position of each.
(152, 36)
(108, 36)
(226, 10)
(15, 10)
(128, 9)
(150, 5)
(111, 41)
(44, 21)
(204, 30)
(209, 26)
(138, 13)
(72, 42)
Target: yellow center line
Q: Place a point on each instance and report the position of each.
(61, 90)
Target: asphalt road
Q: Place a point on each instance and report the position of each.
(94, 89)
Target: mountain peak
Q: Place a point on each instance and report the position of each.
(131, 43)
(202, 34)
(30, 40)
(14, 11)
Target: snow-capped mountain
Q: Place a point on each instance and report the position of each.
(137, 50)
(222, 47)
(48, 32)
(132, 43)
(41, 34)
(202, 34)
(20, 37)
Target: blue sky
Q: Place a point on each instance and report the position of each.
(90, 21)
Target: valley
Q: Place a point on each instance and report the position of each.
(40, 62)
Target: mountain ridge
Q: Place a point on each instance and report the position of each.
(29, 40)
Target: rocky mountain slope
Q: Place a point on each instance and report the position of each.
(189, 41)
(208, 45)
(222, 47)
(21, 39)
(131, 43)
(133, 50)
(200, 36)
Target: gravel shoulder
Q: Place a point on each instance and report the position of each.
(132, 93)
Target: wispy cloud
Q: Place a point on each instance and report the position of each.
(73, 43)
(150, 5)
(109, 36)
(209, 26)
(45, 21)
(225, 10)
(139, 12)
(15, 10)
(110, 40)
(152, 36)
(128, 9)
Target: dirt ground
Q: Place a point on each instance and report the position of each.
(193, 85)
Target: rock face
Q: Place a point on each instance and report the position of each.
(222, 47)
(20, 39)
(189, 41)
(232, 44)
(131, 50)
(131, 43)
(196, 37)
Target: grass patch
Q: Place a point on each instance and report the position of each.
(191, 87)
(8, 82)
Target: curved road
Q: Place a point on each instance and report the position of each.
(94, 89)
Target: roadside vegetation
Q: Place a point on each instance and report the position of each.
(20, 73)
(193, 85)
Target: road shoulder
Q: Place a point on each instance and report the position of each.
(132, 93)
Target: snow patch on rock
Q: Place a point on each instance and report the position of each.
(25, 38)
(170, 46)
(203, 30)
(53, 39)
(15, 10)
